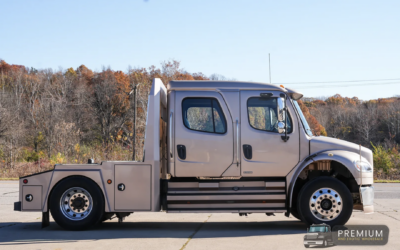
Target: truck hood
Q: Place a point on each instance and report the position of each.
(322, 143)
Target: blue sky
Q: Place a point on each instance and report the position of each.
(309, 41)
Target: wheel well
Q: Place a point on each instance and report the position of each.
(72, 176)
(324, 168)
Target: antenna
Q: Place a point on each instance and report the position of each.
(269, 60)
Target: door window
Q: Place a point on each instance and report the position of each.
(262, 114)
(203, 114)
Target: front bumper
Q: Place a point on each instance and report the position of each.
(367, 198)
(17, 206)
(313, 242)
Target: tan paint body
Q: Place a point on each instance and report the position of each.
(208, 156)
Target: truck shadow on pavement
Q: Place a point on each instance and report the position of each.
(31, 233)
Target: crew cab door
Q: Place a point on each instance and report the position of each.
(203, 134)
(264, 153)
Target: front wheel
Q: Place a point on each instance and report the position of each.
(325, 200)
(77, 203)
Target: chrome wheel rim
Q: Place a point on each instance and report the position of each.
(326, 204)
(76, 203)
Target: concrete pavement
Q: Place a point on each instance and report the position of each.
(182, 231)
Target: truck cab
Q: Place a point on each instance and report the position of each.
(214, 146)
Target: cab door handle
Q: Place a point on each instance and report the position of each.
(181, 151)
(247, 151)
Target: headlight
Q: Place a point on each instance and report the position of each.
(366, 167)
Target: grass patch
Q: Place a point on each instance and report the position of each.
(386, 181)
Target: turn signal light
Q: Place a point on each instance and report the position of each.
(282, 86)
(25, 181)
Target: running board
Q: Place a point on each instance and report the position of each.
(232, 196)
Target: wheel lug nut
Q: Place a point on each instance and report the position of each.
(326, 196)
(331, 210)
(337, 211)
(330, 197)
(339, 203)
(319, 207)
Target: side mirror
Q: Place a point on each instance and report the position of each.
(280, 126)
(281, 115)
(281, 109)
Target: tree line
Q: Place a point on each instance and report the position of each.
(67, 116)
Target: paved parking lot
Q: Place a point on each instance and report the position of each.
(182, 231)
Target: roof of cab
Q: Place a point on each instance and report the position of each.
(229, 85)
(215, 85)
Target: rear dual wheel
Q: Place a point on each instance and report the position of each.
(76, 203)
(325, 200)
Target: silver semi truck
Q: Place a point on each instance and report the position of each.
(214, 146)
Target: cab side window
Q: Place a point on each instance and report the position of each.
(262, 114)
(203, 114)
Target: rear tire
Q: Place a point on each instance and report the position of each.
(76, 203)
(325, 200)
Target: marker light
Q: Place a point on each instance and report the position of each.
(25, 181)
(281, 86)
(109, 181)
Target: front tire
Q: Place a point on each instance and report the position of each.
(77, 203)
(325, 200)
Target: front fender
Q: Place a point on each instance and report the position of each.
(346, 158)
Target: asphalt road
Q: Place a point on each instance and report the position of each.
(183, 231)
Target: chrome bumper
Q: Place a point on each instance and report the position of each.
(367, 199)
(313, 242)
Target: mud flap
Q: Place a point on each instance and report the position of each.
(45, 219)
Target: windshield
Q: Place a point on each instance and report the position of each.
(321, 229)
(303, 119)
